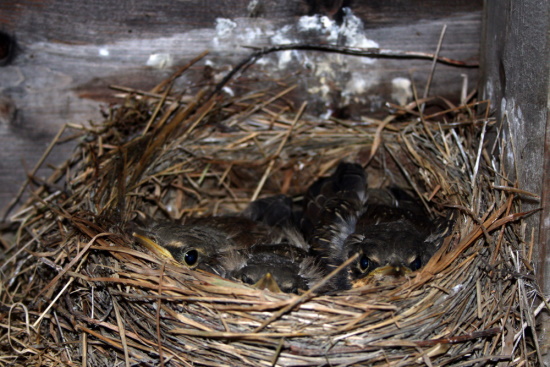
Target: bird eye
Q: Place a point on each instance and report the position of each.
(415, 264)
(364, 263)
(191, 257)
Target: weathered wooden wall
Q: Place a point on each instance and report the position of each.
(516, 78)
(69, 52)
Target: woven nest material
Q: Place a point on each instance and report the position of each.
(78, 290)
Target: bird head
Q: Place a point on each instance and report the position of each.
(274, 273)
(193, 245)
(388, 249)
(283, 266)
(279, 274)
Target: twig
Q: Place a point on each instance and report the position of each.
(434, 63)
(478, 157)
(159, 307)
(367, 52)
(460, 338)
(516, 191)
(122, 332)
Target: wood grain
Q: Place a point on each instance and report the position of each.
(69, 52)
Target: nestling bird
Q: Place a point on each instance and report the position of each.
(261, 247)
(332, 206)
(213, 244)
(394, 236)
(388, 229)
(279, 266)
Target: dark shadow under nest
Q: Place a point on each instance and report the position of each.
(78, 290)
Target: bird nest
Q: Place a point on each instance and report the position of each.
(78, 289)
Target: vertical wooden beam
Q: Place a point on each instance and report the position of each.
(515, 76)
(544, 242)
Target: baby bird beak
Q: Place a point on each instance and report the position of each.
(380, 273)
(153, 246)
(268, 282)
(390, 270)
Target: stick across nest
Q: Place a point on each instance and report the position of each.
(77, 290)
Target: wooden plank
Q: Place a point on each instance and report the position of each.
(516, 78)
(69, 52)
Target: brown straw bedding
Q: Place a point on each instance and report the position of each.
(78, 290)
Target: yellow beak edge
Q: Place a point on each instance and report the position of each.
(153, 246)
